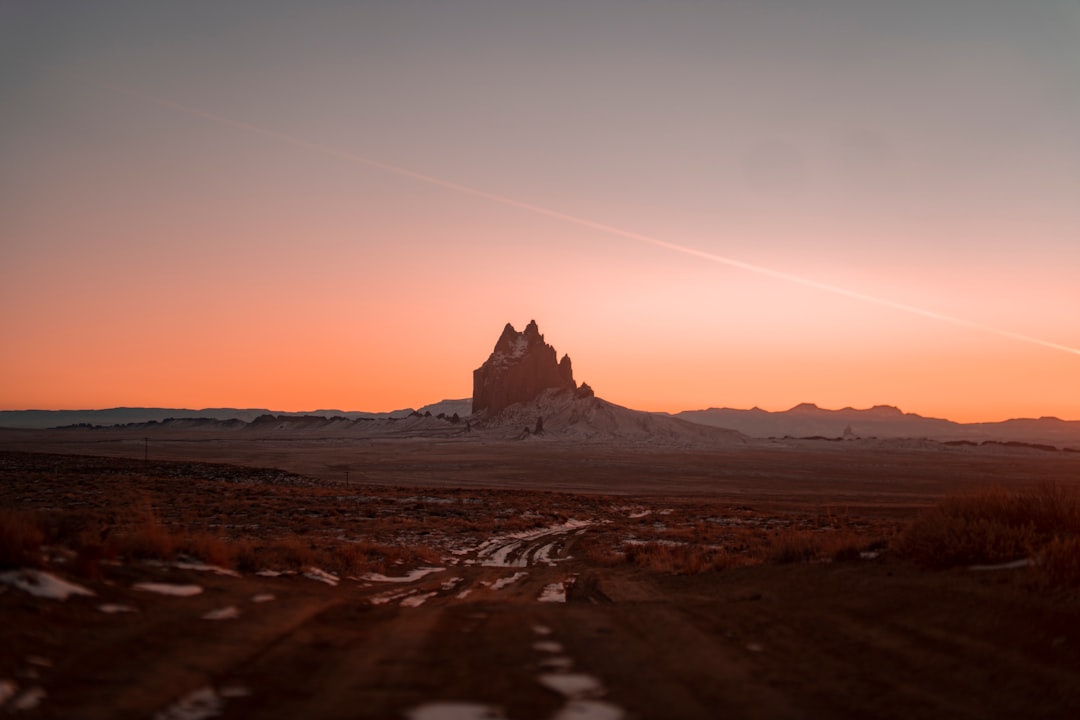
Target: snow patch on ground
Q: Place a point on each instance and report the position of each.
(42, 584)
(8, 688)
(663, 543)
(203, 567)
(169, 589)
(417, 600)
(452, 583)
(314, 573)
(234, 691)
(495, 551)
(572, 685)
(548, 646)
(589, 710)
(1014, 565)
(273, 573)
(262, 597)
(544, 553)
(206, 702)
(226, 613)
(499, 557)
(114, 608)
(560, 663)
(390, 596)
(26, 700)
(506, 581)
(454, 711)
(578, 689)
(412, 576)
(555, 592)
(196, 705)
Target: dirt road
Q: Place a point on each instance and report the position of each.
(491, 636)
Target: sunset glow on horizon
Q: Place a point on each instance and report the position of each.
(747, 204)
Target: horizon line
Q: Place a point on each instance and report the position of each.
(271, 411)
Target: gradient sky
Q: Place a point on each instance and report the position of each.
(187, 220)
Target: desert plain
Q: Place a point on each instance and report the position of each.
(452, 575)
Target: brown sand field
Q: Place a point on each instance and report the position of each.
(461, 578)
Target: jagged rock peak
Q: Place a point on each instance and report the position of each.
(520, 367)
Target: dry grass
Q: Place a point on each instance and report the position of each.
(143, 536)
(819, 545)
(601, 555)
(252, 520)
(211, 548)
(996, 526)
(679, 558)
(1059, 561)
(141, 533)
(685, 538)
(20, 539)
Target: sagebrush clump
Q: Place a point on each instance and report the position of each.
(998, 526)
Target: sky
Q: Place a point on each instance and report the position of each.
(734, 204)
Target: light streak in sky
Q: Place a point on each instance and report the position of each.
(576, 220)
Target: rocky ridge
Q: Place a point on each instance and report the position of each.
(519, 369)
(521, 392)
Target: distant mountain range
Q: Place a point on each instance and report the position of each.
(882, 421)
(41, 419)
(802, 421)
(522, 389)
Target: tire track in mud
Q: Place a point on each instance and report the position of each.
(385, 645)
(459, 634)
(154, 662)
(474, 576)
(546, 545)
(377, 631)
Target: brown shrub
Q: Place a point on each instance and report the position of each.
(678, 559)
(208, 547)
(794, 546)
(992, 526)
(20, 539)
(1059, 561)
(73, 528)
(142, 535)
(292, 552)
(833, 542)
(87, 562)
(149, 542)
(603, 556)
(246, 556)
(146, 540)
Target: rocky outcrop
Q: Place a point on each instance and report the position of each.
(520, 368)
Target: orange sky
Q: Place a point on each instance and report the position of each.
(156, 257)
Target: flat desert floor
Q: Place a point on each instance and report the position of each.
(470, 579)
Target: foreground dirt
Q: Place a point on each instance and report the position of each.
(871, 640)
(869, 637)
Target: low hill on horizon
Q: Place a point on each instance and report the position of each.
(44, 419)
(561, 414)
(802, 421)
(882, 421)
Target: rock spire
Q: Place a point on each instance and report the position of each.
(520, 367)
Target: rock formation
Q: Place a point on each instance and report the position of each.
(520, 367)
